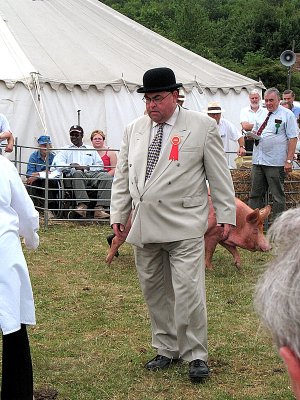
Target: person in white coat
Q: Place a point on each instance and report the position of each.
(18, 217)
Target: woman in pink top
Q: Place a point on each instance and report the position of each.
(109, 157)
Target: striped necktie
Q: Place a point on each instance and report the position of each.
(262, 127)
(154, 151)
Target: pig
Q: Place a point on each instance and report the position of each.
(114, 243)
(248, 234)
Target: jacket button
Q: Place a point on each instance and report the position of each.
(141, 199)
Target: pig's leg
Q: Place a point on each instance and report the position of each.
(116, 243)
(113, 250)
(109, 239)
(210, 247)
(236, 255)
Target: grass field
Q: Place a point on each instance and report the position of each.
(93, 334)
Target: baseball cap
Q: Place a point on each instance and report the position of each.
(44, 140)
(76, 128)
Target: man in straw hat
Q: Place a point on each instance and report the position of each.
(165, 159)
(233, 140)
(181, 97)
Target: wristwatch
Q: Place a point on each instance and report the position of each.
(289, 161)
(243, 147)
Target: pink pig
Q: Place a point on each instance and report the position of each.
(247, 234)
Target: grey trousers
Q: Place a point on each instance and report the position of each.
(263, 178)
(85, 180)
(172, 278)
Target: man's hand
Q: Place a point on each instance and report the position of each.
(226, 230)
(78, 166)
(119, 231)
(288, 167)
(9, 148)
(32, 178)
(241, 151)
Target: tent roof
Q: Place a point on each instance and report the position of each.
(84, 42)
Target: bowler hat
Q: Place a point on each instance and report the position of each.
(159, 80)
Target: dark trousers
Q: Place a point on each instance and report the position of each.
(37, 193)
(17, 376)
(263, 178)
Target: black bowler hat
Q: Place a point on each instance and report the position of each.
(159, 80)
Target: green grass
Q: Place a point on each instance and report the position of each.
(93, 333)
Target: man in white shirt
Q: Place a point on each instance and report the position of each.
(233, 140)
(5, 134)
(85, 166)
(249, 115)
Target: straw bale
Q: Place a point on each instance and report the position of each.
(242, 184)
(292, 189)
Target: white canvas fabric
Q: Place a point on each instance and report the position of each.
(82, 55)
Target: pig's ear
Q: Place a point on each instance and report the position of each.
(264, 212)
(253, 217)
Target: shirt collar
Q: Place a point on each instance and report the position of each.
(72, 146)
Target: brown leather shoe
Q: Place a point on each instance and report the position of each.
(99, 213)
(81, 210)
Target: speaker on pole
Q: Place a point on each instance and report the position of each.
(288, 58)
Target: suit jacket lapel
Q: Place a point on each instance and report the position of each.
(142, 138)
(178, 129)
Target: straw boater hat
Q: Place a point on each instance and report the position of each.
(181, 95)
(214, 108)
(159, 80)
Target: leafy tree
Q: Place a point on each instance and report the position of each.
(244, 36)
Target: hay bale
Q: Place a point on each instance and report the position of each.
(241, 179)
(292, 189)
(242, 185)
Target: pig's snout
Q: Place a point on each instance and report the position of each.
(264, 247)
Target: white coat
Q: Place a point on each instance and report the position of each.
(18, 217)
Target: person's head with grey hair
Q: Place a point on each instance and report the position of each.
(254, 97)
(277, 295)
(272, 99)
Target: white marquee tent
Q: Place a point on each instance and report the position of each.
(58, 57)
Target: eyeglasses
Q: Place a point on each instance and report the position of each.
(156, 99)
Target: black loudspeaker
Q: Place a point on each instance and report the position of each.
(288, 58)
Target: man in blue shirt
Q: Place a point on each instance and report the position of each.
(36, 185)
(289, 96)
(273, 152)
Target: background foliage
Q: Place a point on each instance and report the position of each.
(244, 36)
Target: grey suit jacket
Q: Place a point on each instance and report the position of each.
(173, 204)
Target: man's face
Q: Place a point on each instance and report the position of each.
(160, 106)
(272, 101)
(216, 116)
(43, 150)
(254, 99)
(288, 97)
(76, 138)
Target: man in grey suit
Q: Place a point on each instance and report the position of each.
(165, 159)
